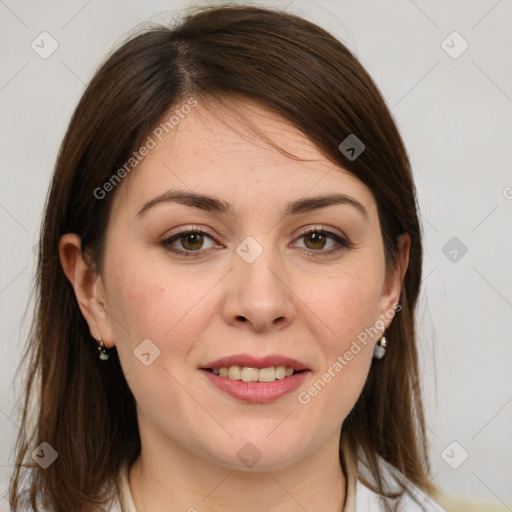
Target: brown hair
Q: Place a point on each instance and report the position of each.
(84, 408)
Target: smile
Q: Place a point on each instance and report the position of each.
(249, 374)
(256, 379)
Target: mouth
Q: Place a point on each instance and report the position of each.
(250, 374)
(252, 379)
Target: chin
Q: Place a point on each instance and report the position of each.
(257, 453)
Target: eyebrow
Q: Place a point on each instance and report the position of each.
(215, 205)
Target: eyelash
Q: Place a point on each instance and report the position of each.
(343, 244)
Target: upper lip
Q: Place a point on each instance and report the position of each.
(256, 362)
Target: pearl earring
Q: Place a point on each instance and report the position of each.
(103, 355)
(379, 350)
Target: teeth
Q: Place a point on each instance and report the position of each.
(235, 372)
(267, 374)
(280, 372)
(247, 374)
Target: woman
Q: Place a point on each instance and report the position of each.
(230, 237)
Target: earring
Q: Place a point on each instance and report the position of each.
(380, 347)
(102, 350)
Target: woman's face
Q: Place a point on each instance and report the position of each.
(252, 285)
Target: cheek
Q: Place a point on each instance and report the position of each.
(346, 303)
(164, 307)
(139, 293)
(347, 306)
(150, 300)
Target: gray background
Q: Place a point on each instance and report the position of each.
(455, 115)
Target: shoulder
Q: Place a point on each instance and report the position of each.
(115, 506)
(415, 501)
(413, 498)
(455, 502)
(123, 500)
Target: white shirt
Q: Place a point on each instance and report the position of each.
(359, 497)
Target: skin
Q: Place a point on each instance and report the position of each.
(291, 300)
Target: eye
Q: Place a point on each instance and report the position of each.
(316, 239)
(191, 240)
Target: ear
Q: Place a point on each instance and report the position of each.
(393, 285)
(88, 287)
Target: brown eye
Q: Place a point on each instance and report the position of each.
(188, 242)
(317, 240)
(191, 241)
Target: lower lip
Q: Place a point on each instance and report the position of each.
(257, 392)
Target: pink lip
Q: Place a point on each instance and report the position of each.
(256, 362)
(256, 392)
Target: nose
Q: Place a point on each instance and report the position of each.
(258, 295)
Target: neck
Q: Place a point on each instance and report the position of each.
(174, 479)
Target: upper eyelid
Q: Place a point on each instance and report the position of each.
(302, 231)
(330, 233)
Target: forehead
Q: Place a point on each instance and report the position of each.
(223, 149)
